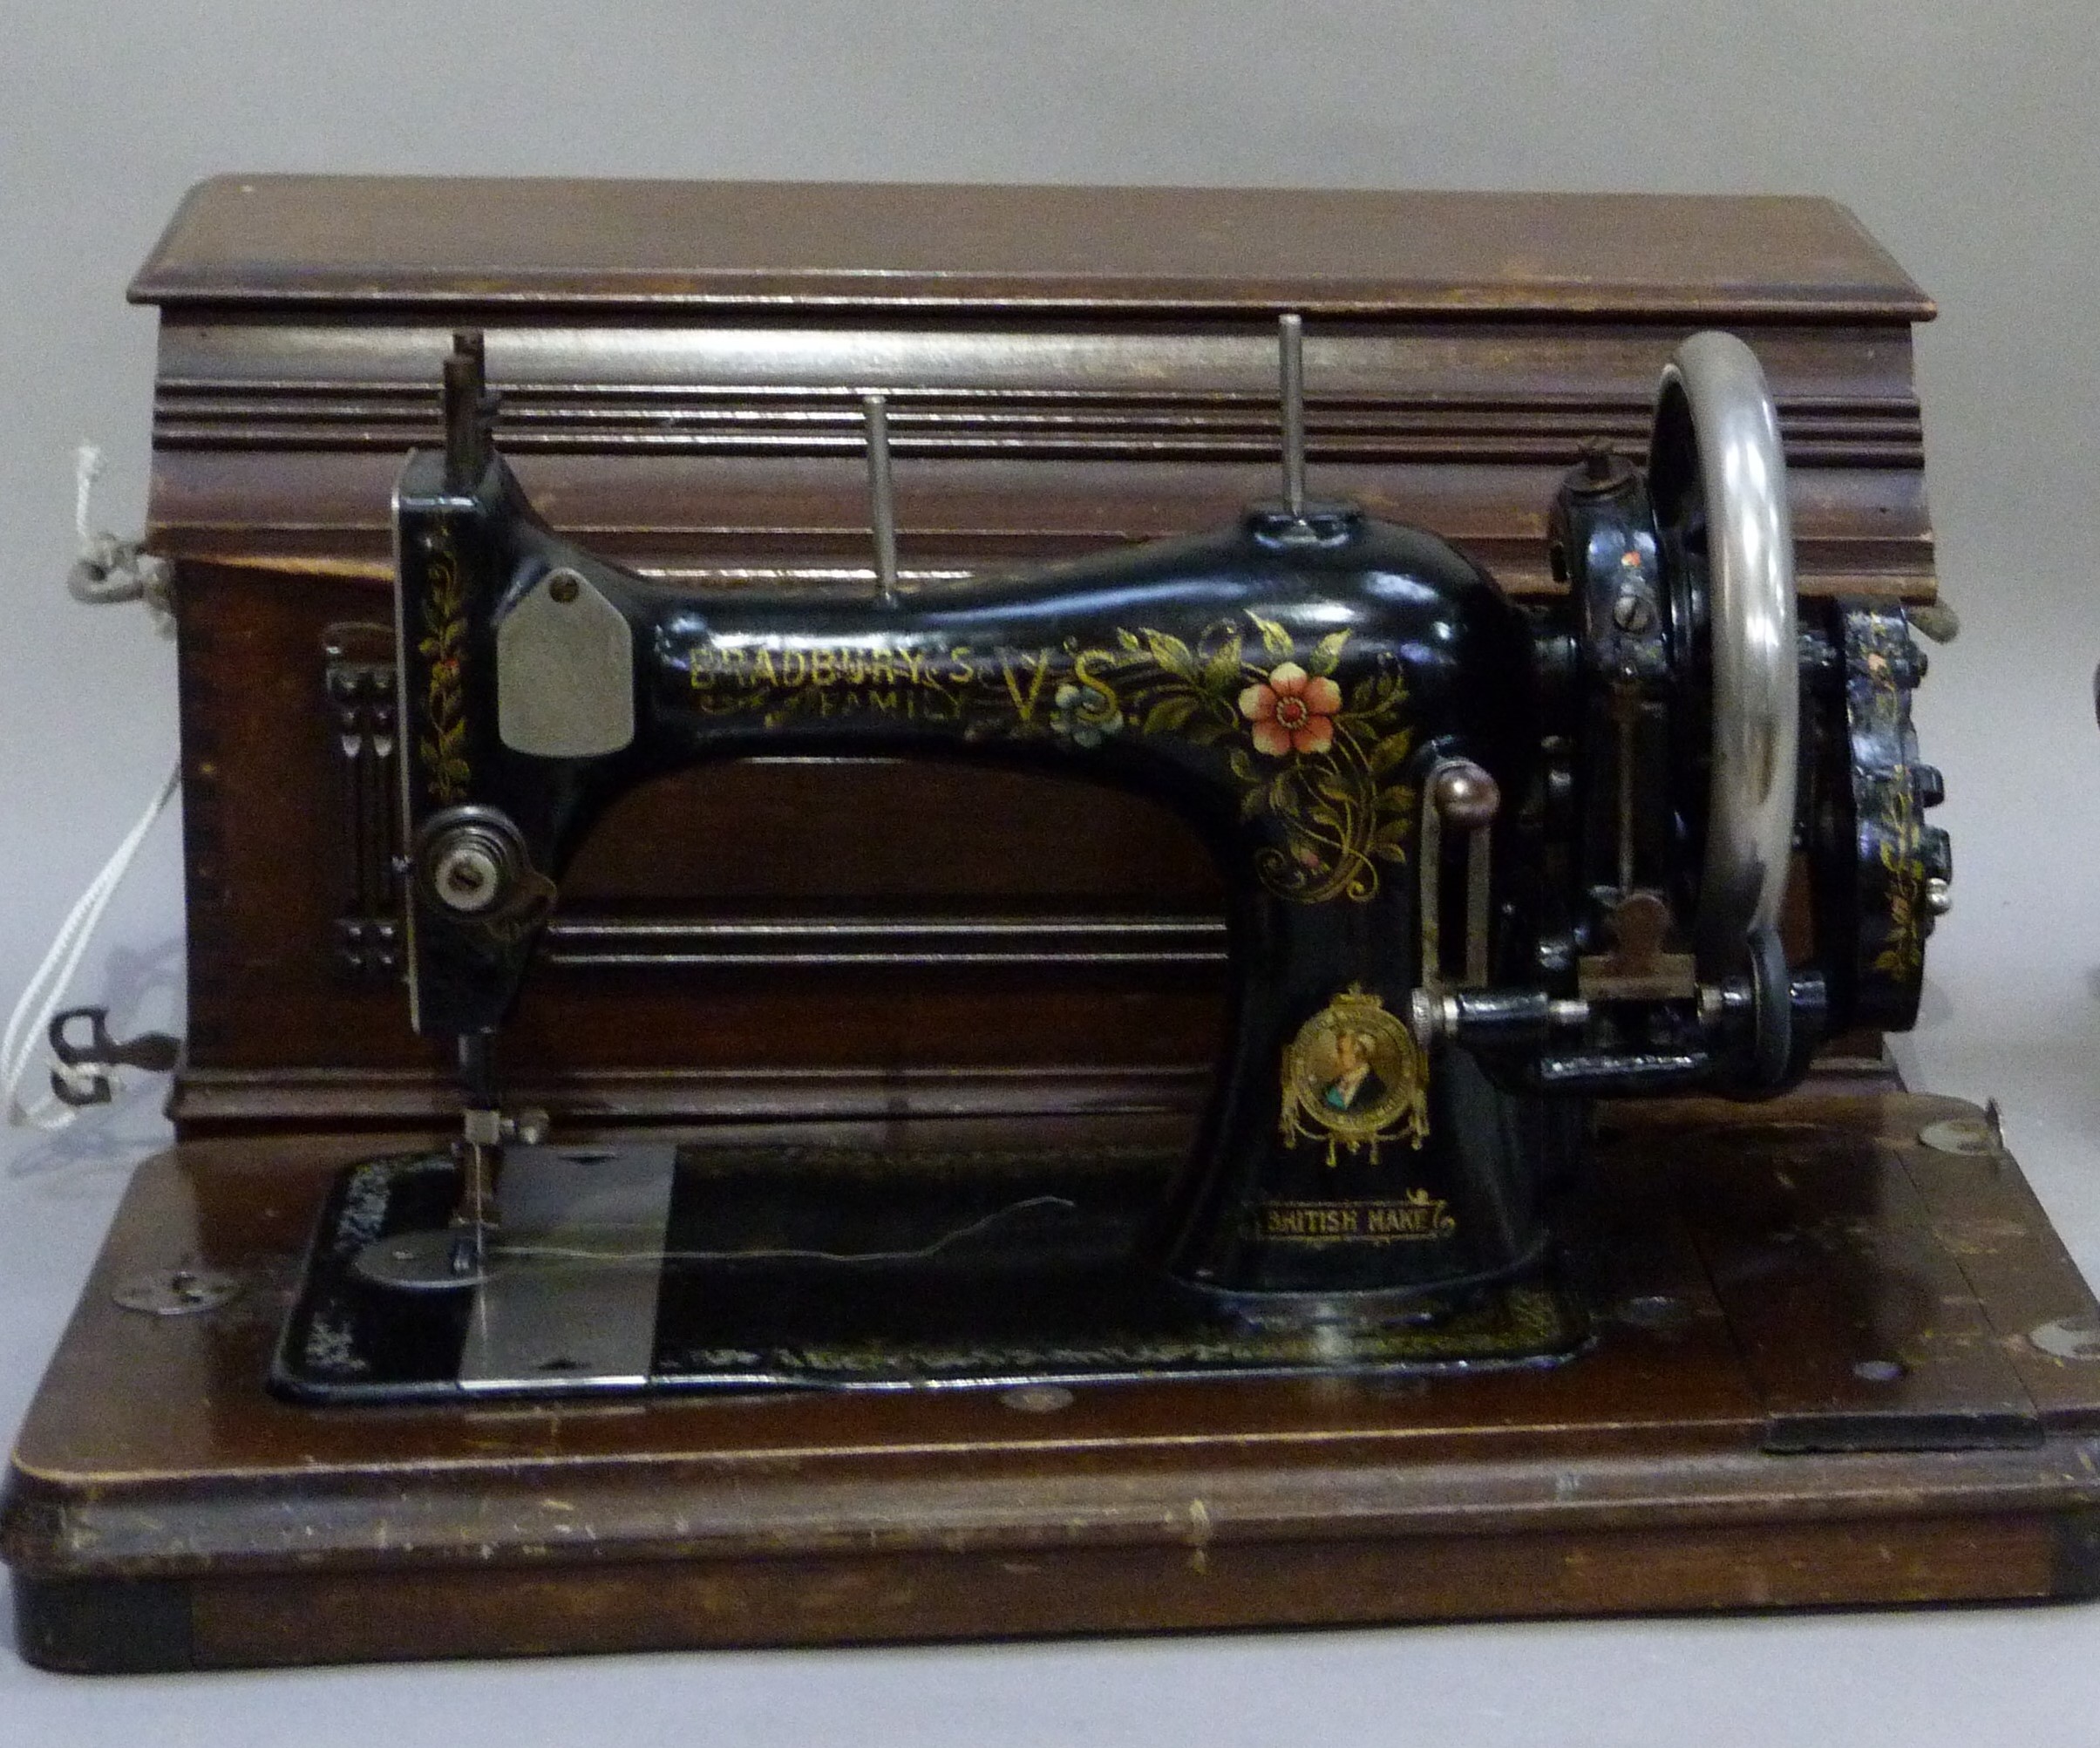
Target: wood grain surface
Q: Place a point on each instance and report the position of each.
(1718, 1447)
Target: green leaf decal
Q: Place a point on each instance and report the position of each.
(1391, 840)
(1334, 785)
(1221, 667)
(1391, 752)
(1274, 638)
(1171, 653)
(1170, 714)
(1327, 653)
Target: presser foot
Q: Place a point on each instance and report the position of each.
(451, 1258)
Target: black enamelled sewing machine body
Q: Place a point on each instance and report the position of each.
(1288, 686)
(1340, 708)
(1569, 867)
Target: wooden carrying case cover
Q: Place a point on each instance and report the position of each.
(680, 367)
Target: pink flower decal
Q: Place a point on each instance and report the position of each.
(1291, 710)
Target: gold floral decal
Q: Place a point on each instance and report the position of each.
(1900, 837)
(1321, 763)
(1324, 761)
(443, 748)
(1291, 710)
(1905, 953)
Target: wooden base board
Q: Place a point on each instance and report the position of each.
(1835, 1366)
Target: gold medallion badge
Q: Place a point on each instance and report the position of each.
(1354, 1075)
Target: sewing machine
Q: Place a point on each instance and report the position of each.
(1484, 864)
(1532, 898)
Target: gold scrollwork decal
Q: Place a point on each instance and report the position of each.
(1324, 763)
(443, 647)
(1353, 1078)
(1898, 828)
(1321, 764)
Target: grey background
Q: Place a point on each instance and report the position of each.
(1963, 135)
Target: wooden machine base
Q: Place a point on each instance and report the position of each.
(1835, 1363)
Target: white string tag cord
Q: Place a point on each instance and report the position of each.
(105, 569)
(28, 1025)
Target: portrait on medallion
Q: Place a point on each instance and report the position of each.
(1354, 1077)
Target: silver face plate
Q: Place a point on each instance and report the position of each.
(569, 1295)
(565, 671)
